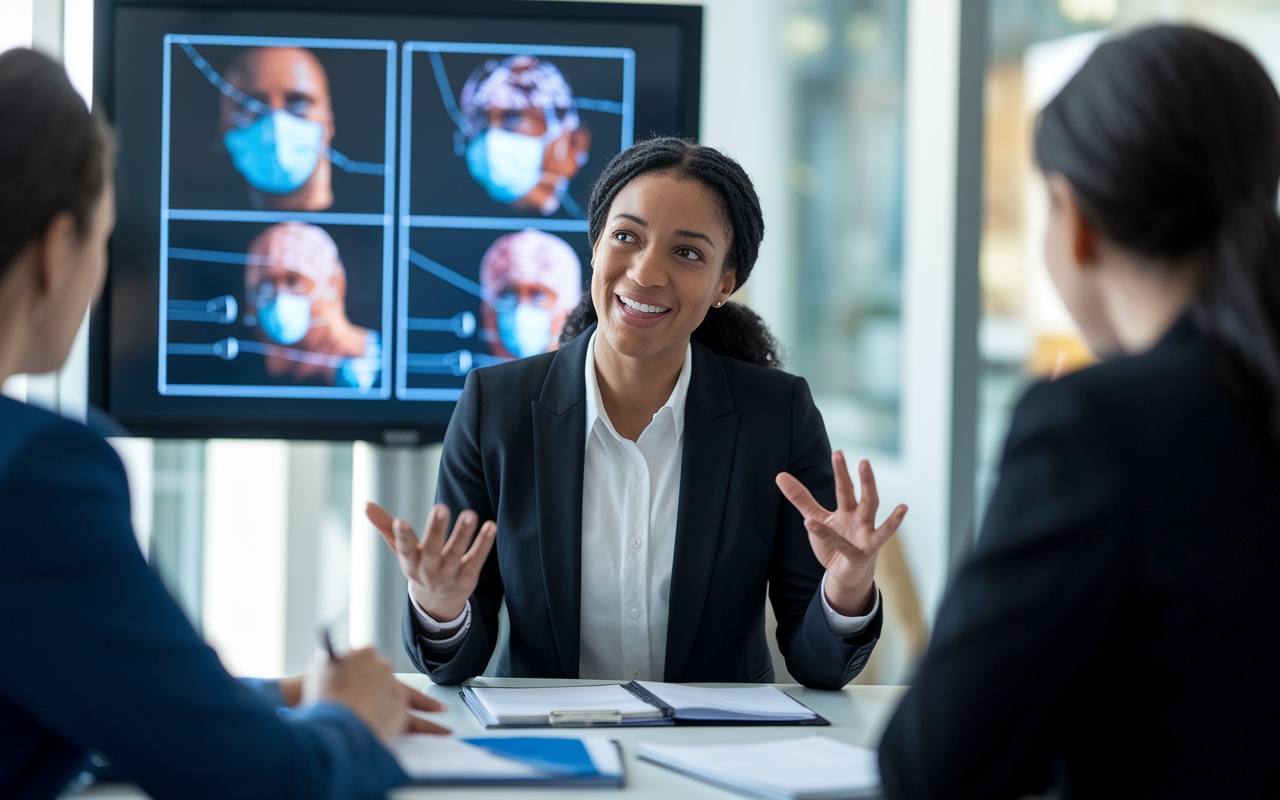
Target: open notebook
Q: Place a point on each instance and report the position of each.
(540, 761)
(635, 703)
(812, 768)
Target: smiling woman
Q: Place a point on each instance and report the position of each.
(620, 490)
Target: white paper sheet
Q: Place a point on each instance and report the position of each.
(754, 702)
(519, 705)
(812, 768)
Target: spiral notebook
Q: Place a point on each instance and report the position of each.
(635, 703)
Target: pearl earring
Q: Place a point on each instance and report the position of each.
(719, 304)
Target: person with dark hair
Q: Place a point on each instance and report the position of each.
(1114, 632)
(99, 662)
(620, 491)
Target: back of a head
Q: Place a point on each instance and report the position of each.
(732, 330)
(1170, 139)
(53, 152)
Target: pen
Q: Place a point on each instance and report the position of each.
(327, 643)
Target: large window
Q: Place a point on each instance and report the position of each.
(848, 63)
(1034, 47)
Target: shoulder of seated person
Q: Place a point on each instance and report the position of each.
(24, 426)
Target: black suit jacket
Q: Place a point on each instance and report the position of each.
(514, 452)
(1117, 628)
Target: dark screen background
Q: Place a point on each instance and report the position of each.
(130, 391)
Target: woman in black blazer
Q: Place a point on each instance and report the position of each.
(679, 553)
(1115, 633)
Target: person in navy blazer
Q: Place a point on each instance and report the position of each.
(135, 693)
(534, 451)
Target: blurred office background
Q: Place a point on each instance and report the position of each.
(890, 143)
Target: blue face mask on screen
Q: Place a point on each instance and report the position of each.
(508, 165)
(525, 329)
(277, 153)
(286, 317)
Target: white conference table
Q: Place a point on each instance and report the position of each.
(858, 715)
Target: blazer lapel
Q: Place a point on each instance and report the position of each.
(559, 444)
(710, 437)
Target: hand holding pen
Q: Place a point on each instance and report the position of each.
(363, 681)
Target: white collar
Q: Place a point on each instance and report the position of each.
(676, 402)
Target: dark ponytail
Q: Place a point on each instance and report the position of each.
(1170, 139)
(53, 152)
(733, 329)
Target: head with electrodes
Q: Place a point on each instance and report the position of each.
(279, 138)
(531, 281)
(526, 141)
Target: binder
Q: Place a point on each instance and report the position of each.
(431, 760)
(633, 704)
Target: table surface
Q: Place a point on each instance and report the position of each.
(858, 715)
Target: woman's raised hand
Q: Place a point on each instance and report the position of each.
(846, 541)
(442, 572)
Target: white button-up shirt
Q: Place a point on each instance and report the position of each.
(630, 493)
(630, 496)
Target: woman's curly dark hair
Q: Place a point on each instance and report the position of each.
(733, 329)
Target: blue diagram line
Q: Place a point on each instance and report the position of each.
(314, 217)
(496, 223)
(446, 94)
(592, 104)
(523, 49)
(311, 43)
(218, 256)
(447, 275)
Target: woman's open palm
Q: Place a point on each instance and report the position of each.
(846, 541)
(442, 570)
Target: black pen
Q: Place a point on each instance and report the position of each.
(327, 642)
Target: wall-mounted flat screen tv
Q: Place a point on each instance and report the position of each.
(329, 213)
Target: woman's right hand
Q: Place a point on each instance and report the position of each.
(442, 572)
(363, 682)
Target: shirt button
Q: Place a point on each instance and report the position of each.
(635, 543)
(635, 612)
(639, 474)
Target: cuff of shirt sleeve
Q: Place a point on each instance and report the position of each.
(842, 626)
(442, 636)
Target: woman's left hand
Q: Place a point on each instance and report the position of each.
(846, 541)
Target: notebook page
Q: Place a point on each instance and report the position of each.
(754, 702)
(508, 704)
(808, 769)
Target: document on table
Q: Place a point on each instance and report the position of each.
(541, 761)
(636, 703)
(749, 704)
(569, 705)
(813, 768)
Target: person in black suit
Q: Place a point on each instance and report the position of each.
(1114, 632)
(628, 478)
(97, 658)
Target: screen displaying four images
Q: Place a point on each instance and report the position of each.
(351, 219)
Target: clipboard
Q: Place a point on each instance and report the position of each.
(593, 718)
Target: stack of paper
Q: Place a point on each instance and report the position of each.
(544, 761)
(750, 704)
(813, 768)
